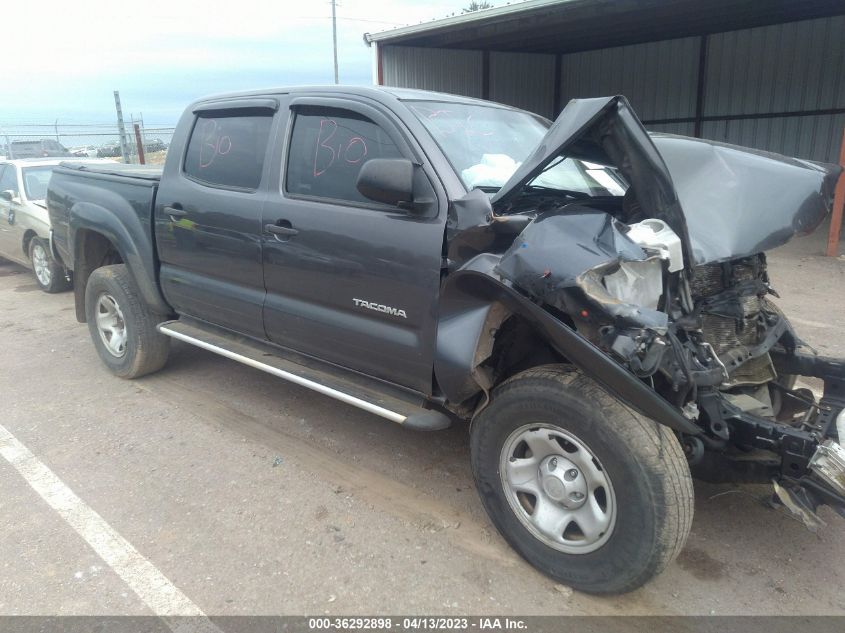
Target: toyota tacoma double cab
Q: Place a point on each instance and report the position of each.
(592, 301)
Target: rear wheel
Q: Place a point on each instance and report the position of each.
(584, 488)
(122, 326)
(49, 274)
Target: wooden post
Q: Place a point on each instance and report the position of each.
(140, 144)
(838, 206)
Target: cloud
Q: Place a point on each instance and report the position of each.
(161, 54)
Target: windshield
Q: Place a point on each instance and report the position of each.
(35, 181)
(486, 144)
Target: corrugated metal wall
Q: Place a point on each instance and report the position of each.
(658, 78)
(780, 68)
(811, 137)
(749, 76)
(443, 70)
(524, 80)
(785, 68)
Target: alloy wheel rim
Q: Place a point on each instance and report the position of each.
(557, 488)
(111, 325)
(41, 265)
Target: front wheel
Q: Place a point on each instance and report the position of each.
(585, 489)
(122, 326)
(49, 274)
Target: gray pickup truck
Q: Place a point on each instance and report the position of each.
(592, 301)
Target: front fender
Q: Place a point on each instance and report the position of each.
(120, 224)
(467, 298)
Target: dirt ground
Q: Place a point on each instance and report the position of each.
(255, 496)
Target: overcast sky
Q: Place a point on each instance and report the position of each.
(64, 58)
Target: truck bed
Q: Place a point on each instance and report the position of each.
(103, 199)
(144, 172)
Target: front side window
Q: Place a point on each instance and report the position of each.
(35, 181)
(328, 147)
(228, 151)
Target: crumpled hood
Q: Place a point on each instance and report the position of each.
(723, 201)
(739, 201)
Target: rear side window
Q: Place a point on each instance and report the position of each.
(228, 151)
(328, 148)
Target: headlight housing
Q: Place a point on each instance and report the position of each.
(638, 283)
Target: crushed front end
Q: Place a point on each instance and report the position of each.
(730, 360)
(672, 283)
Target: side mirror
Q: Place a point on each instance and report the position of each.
(8, 195)
(388, 180)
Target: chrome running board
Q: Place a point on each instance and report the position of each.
(253, 354)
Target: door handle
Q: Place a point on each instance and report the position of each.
(275, 229)
(174, 212)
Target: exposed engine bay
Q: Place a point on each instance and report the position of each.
(709, 339)
(671, 282)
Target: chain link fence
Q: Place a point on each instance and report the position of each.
(92, 140)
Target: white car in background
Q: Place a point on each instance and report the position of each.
(24, 222)
(86, 151)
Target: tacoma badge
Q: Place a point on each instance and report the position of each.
(371, 305)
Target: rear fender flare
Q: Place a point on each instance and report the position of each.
(120, 225)
(468, 299)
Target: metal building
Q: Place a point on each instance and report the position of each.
(762, 73)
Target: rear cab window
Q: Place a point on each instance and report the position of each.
(228, 148)
(328, 147)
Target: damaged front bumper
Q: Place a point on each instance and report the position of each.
(821, 473)
(709, 341)
(807, 464)
(672, 285)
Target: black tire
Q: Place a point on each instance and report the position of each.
(145, 350)
(49, 274)
(648, 473)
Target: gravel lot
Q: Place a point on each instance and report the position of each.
(254, 496)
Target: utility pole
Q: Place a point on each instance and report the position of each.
(121, 128)
(334, 38)
(9, 152)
